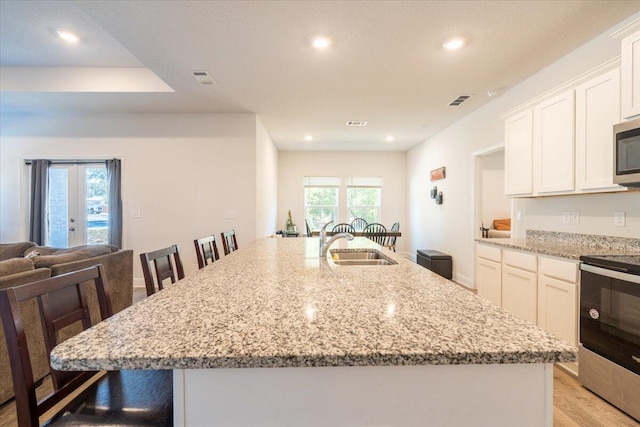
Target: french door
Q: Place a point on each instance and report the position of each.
(77, 205)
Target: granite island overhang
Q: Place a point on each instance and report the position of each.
(322, 344)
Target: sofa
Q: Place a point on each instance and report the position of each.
(24, 262)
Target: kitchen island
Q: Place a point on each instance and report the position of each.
(273, 335)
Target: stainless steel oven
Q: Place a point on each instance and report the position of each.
(610, 329)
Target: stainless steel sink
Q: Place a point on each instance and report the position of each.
(368, 257)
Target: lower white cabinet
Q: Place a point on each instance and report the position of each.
(489, 280)
(540, 289)
(520, 292)
(558, 298)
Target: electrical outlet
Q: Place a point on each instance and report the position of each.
(566, 217)
(519, 216)
(135, 213)
(575, 217)
(619, 219)
(230, 214)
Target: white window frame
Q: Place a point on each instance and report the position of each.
(364, 182)
(322, 182)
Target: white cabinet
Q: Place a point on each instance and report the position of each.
(630, 77)
(519, 154)
(554, 142)
(519, 284)
(597, 110)
(540, 289)
(489, 273)
(558, 298)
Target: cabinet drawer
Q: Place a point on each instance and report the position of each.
(520, 260)
(563, 270)
(489, 252)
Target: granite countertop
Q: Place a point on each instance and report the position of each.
(274, 303)
(568, 245)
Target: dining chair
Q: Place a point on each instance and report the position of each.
(164, 269)
(376, 232)
(142, 397)
(343, 227)
(309, 232)
(391, 243)
(359, 224)
(206, 248)
(229, 242)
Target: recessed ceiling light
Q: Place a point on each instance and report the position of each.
(321, 42)
(68, 37)
(454, 43)
(389, 138)
(308, 138)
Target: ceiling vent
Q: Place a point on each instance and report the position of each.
(203, 77)
(459, 100)
(359, 123)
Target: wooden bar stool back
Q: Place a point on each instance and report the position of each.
(359, 224)
(229, 242)
(63, 307)
(206, 248)
(164, 268)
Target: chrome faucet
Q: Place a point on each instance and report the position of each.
(324, 243)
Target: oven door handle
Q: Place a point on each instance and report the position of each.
(611, 273)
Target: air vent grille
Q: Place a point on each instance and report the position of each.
(358, 123)
(459, 100)
(203, 77)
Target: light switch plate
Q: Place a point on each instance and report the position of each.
(575, 217)
(566, 217)
(619, 219)
(135, 213)
(230, 214)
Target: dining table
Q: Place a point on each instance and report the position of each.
(274, 334)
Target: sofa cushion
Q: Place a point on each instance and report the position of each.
(14, 250)
(48, 257)
(15, 265)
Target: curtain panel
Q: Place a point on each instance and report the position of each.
(114, 176)
(38, 219)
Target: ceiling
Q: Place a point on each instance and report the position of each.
(386, 63)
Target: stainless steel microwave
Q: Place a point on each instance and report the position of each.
(626, 153)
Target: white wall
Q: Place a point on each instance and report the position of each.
(495, 205)
(181, 171)
(266, 182)
(293, 166)
(449, 227)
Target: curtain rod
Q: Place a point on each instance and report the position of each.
(70, 162)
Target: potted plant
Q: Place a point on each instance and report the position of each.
(291, 226)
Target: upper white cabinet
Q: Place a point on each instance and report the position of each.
(553, 142)
(519, 154)
(630, 75)
(597, 110)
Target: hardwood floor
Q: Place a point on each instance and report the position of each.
(573, 406)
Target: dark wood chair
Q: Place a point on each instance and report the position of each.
(229, 242)
(309, 232)
(359, 224)
(391, 243)
(163, 267)
(143, 397)
(206, 248)
(376, 232)
(343, 227)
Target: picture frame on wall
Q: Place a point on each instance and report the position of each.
(438, 174)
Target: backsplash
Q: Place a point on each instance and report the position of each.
(586, 240)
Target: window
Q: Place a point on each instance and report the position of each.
(321, 200)
(78, 205)
(363, 198)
